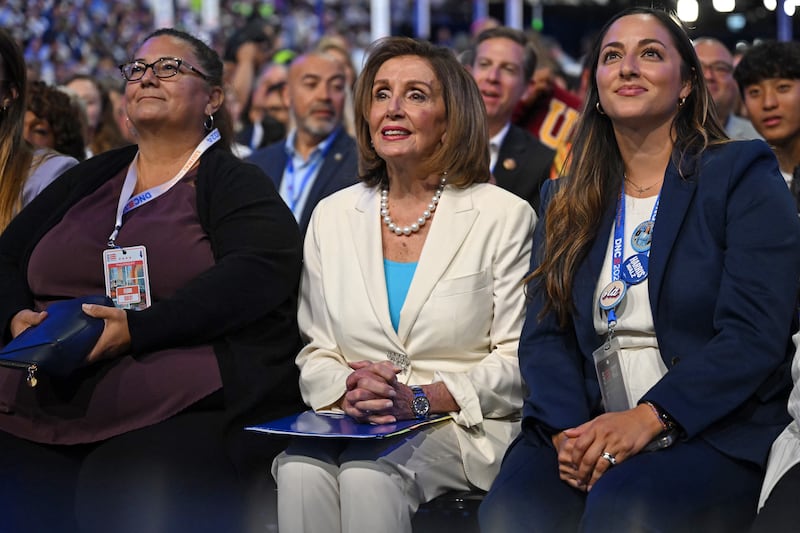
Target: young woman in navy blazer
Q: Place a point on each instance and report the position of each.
(682, 247)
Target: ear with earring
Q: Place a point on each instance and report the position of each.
(681, 101)
(208, 123)
(599, 108)
(130, 126)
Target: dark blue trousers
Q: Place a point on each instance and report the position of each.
(780, 512)
(688, 487)
(171, 477)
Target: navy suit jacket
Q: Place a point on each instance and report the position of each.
(339, 170)
(273, 132)
(724, 270)
(523, 165)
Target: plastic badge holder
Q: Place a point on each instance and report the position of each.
(59, 345)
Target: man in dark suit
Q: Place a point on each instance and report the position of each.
(503, 62)
(318, 157)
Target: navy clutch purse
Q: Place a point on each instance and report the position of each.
(60, 344)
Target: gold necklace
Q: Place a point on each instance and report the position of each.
(640, 190)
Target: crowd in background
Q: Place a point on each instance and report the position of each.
(93, 36)
(90, 38)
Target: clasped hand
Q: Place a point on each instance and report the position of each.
(620, 434)
(115, 339)
(374, 395)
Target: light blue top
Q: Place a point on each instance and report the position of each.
(398, 280)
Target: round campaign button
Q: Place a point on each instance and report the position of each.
(634, 269)
(642, 236)
(612, 294)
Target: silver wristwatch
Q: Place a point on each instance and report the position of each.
(420, 405)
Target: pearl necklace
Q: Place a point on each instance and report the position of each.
(413, 228)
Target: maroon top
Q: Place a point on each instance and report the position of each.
(125, 393)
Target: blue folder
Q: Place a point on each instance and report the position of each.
(331, 424)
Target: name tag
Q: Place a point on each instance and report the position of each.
(126, 277)
(609, 376)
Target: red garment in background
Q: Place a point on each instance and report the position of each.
(551, 119)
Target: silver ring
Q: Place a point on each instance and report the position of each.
(610, 458)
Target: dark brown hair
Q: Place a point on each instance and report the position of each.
(593, 173)
(211, 66)
(63, 114)
(504, 32)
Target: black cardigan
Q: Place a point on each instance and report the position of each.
(245, 305)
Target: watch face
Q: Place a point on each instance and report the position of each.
(421, 406)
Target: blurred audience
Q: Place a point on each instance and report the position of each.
(769, 77)
(503, 62)
(265, 118)
(336, 46)
(548, 110)
(54, 120)
(102, 131)
(26, 171)
(717, 63)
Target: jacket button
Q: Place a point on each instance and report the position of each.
(675, 361)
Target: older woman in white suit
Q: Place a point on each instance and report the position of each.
(411, 304)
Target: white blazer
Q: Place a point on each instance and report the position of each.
(460, 323)
(785, 452)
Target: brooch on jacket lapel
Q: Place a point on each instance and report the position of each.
(400, 360)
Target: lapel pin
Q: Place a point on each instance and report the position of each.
(337, 156)
(509, 164)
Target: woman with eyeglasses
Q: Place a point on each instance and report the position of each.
(202, 259)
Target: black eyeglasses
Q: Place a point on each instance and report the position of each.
(163, 67)
(719, 68)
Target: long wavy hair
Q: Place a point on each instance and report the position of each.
(593, 173)
(15, 153)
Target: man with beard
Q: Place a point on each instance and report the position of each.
(503, 62)
(318, 157)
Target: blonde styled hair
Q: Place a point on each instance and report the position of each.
(464, 154)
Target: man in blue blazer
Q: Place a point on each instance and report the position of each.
(318, 157)
(503, 63)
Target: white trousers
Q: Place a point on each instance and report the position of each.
(331, 486)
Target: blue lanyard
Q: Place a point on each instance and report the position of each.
(295, 192)
(637, 265)
(128, 202)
